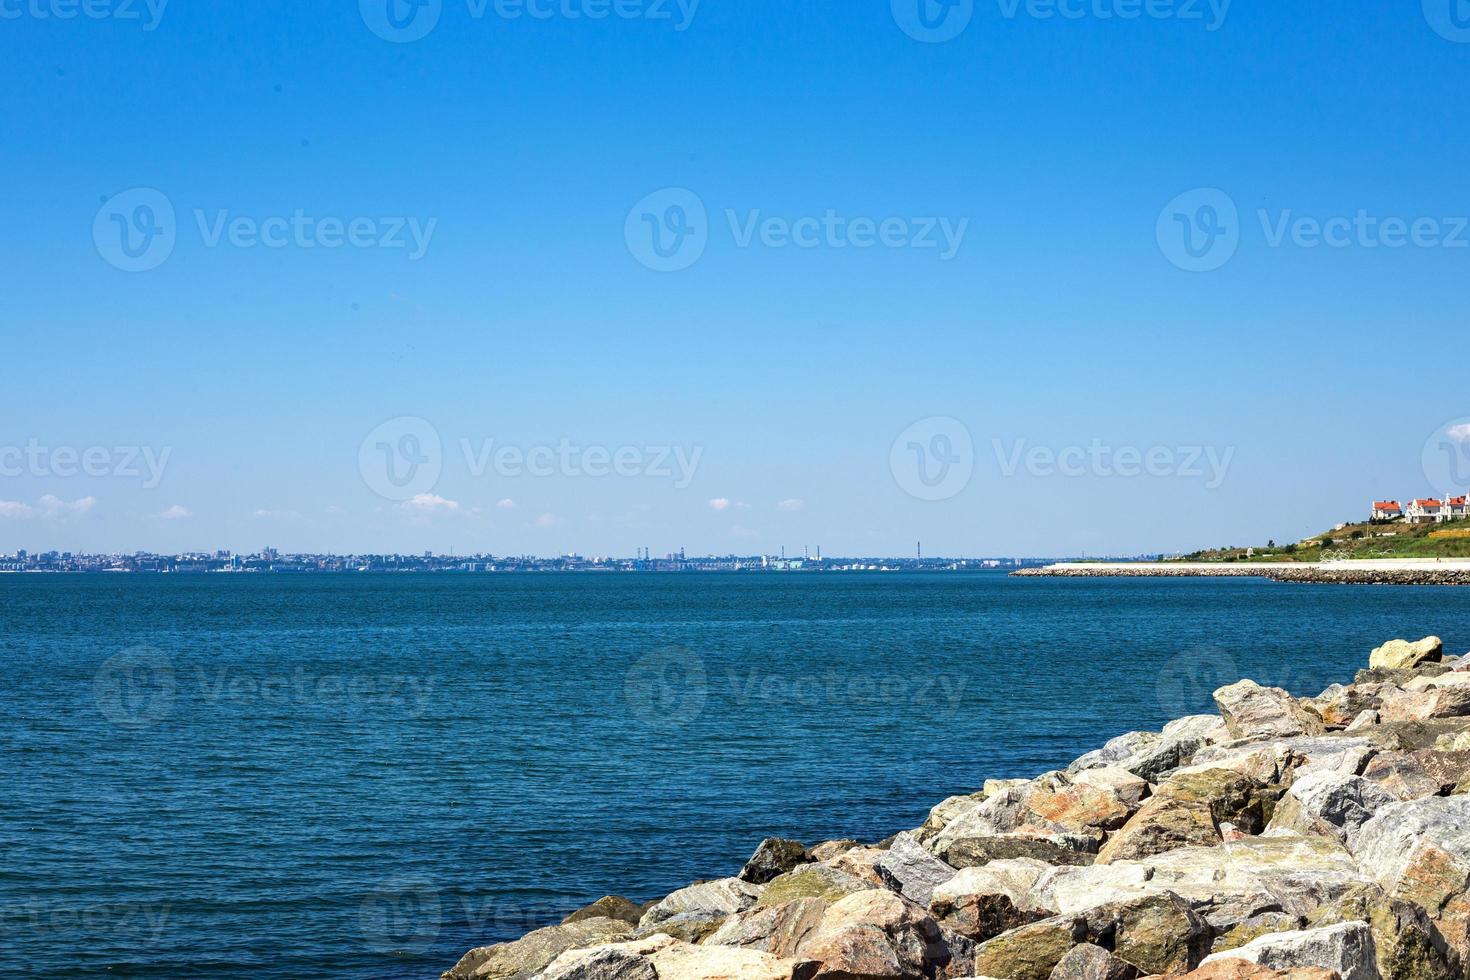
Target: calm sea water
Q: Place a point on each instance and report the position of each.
(363, 776)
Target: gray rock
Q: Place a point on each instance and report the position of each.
(712, 898)
(605, 964)
(608, 907)
(912, 871)
(1329, 802)
(775, 856)
(1346, 948)
(1251, 710)
(974, 852)
(530, 954)
(1089, 962)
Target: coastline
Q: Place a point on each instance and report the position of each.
(1282, 838)
(1384, 571)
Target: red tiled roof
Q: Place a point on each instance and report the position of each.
(1457, 501)
(1428, 503)
(1387, 505)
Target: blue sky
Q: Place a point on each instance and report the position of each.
(529, 152)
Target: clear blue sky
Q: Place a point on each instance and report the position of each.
(1063, 319)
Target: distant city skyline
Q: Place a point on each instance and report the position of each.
(736, 277)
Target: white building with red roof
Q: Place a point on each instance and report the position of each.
(1387, 510)
(1428, 511)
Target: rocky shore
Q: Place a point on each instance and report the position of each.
(1322, 838)
(1340, 573)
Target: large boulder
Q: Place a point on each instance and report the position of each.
(1230, 968)
(1327, 802)
(693, 913)
(1419, 851)
(530, 954)
(723, 897)
(1346, 949)
(671, 959)
(1426, 704)
(607, 963)
(1402, 775)
(1403, 655)
(982, 903)
(811, 881)
(609, 907)
(1030, 952)
(1152, 755)
(912, 871)
(1089, 962)
(775, 856)
(1158, 933)
(778, 929)
(1189, 809)
(876, 934)
(1039, 845)
(1252, 711)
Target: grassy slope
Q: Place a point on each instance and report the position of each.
(1359, 541)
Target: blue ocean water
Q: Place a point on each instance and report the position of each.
(364, 776)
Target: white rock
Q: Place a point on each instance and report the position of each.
(1347, 948)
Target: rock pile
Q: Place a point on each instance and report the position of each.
(1285, 838)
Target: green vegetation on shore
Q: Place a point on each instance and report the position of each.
(1357, 541)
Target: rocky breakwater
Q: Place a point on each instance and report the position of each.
(1284, 837)
(1330, 575)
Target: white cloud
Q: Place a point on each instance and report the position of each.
(1459, 433)
(546, 520)
(176, 513)
(719, 503)
(49, 505)
(742, 532)
(506, 504)
(430, 503)
(791, 506)
(334, 509)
